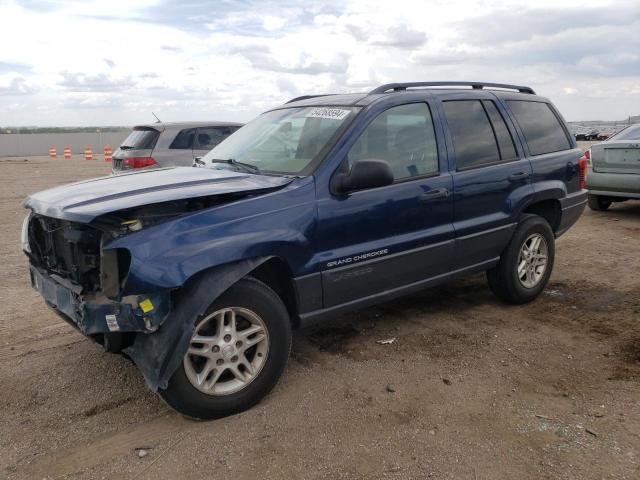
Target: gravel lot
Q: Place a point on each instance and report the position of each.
(481, 390)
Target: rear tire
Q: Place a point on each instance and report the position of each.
(231, 369)
(598, 203)
(526, 264)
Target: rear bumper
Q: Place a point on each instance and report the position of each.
(95, 314)
(614, 184)
(571, 208)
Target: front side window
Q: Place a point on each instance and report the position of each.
(403, 136)
(541, 128)
(184, 139)
(283, 141)
(473, 139)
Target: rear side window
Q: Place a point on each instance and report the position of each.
(184, 139)
(541, 128)
(141, 139)
(403, 136)
(209, 137)
(473, 140)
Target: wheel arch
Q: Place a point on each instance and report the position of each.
(549, 209)
(158, 354)
(277, 275)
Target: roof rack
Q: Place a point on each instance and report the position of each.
(396, 87)
(306, 97)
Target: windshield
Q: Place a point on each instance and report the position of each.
(282, 141)
(629, 133)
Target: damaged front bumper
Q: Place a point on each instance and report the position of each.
(96, 314)
(156, 351)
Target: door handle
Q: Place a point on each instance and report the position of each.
(434, 194)
(517, 177)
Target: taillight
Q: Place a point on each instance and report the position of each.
(140, 162)
(582, 171)
(587, 155)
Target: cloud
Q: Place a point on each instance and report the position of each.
(400, 36)
(79, 82)
(17, 86)
(261, 57)
(520, 24)
(10, 67)
(110, 61)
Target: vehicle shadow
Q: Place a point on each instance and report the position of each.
(630, 208)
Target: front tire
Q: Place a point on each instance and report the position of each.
(526, 264)
(238, 351)
(598, 203)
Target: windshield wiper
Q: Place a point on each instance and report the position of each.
(247, 167)
(126, 147)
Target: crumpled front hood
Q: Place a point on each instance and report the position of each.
(86, 200)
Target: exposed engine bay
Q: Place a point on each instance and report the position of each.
(74, 251)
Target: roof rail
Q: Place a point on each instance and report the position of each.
(306, 97)
(395, 87)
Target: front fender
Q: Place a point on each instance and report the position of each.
(159, 354)
(278, 224)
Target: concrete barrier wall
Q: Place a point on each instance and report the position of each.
(16, 145)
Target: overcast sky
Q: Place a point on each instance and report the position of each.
(112, 62)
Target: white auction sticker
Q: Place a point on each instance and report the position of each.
(333, 113)
(112, 323)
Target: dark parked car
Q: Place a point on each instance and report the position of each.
(319, 206)
(166, 144)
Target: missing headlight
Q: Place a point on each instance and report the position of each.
(115, 267)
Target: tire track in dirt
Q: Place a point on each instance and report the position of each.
(53, 336)
(106, 447)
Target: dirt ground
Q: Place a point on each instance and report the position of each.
(480, 390)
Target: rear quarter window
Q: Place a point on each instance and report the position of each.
(184, 140)
(541, 128)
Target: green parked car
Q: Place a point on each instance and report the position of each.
(614, 169)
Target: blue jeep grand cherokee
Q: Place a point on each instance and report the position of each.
(322, 205)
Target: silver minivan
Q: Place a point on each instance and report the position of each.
(169, 144)
(614, 169)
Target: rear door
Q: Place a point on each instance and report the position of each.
(492, 177)
(207, 138)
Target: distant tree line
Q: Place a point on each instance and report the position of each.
(9, 130)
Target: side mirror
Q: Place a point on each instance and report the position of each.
(365, 173)
(197, 162)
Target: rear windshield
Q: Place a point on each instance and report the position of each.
(629, 133)
(141, 139)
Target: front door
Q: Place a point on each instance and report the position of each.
(382, 239)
